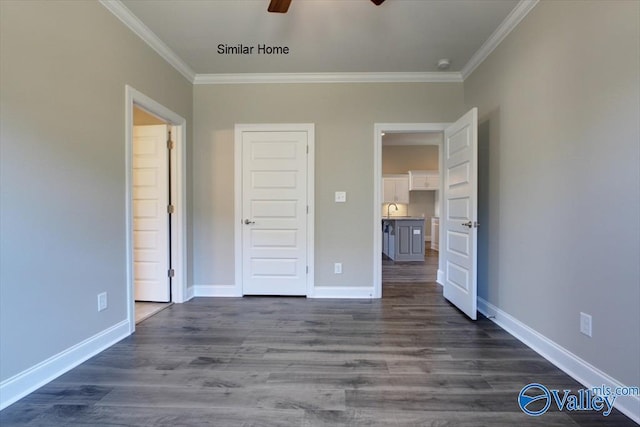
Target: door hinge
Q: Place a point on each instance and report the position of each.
(307, 209)
(170, 144)
(307, 149)
(171, 272)
(307, 269)
(170, 209)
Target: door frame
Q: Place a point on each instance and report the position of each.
(309, 128)
(178, 191)
(378, 129)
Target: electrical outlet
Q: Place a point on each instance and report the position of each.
(337, 268)
(341, 196)
(585, 324)
(102, 301)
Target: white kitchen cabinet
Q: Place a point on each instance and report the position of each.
(395, 189)
(424, 180)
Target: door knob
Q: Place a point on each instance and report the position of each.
(246, 221)
(467, 224)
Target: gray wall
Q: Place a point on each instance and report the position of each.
(63, 71)
(344, 115)
(559, 188)
(403, 158)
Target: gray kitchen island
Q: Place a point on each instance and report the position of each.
(403, 238)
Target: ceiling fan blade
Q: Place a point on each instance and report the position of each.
(377, 2)
(280, 6)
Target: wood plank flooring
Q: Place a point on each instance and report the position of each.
(410, 359)
(411, 271)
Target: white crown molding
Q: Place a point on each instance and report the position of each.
(451, 77)
(510, 22)
(141, 30)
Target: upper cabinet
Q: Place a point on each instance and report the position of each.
(395, 189)
(424, 180)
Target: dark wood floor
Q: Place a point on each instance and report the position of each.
(410, 272)
(409, 359)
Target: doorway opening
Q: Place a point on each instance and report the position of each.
(155, 206)
(408, 184)
(410, 206)
(151, 221)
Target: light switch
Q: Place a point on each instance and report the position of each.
(341, 196)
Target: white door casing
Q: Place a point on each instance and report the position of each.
(178, 157)
(150, 217)
(275, 207)
(459, 230)
(378, 130)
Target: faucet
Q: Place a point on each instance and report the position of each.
(389, 207)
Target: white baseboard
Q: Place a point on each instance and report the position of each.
(579, 369)
(190, 293)
(216, 291)
(359, 292)
(440, 278)
(365, 292)
(18, 386)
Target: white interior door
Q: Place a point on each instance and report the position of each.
(460, 227)
(274, 213)
(150, 217)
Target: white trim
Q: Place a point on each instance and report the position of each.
(356, 292)
(20, 385)
(117, 8)
(179, 191)
(248, 78)
(237, 191)
(309, 128)
(311, 214)
(579, 369)
(510, 22)
(378, 128)
(179, 216)
(216, 291)
(191, 293)
(440, 276)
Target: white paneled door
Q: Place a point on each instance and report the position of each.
(460, 227)
(150, 215)
(274, 212)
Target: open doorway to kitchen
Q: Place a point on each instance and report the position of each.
(410, 206)
(407, 206)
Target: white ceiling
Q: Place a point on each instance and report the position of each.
(323, 36)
